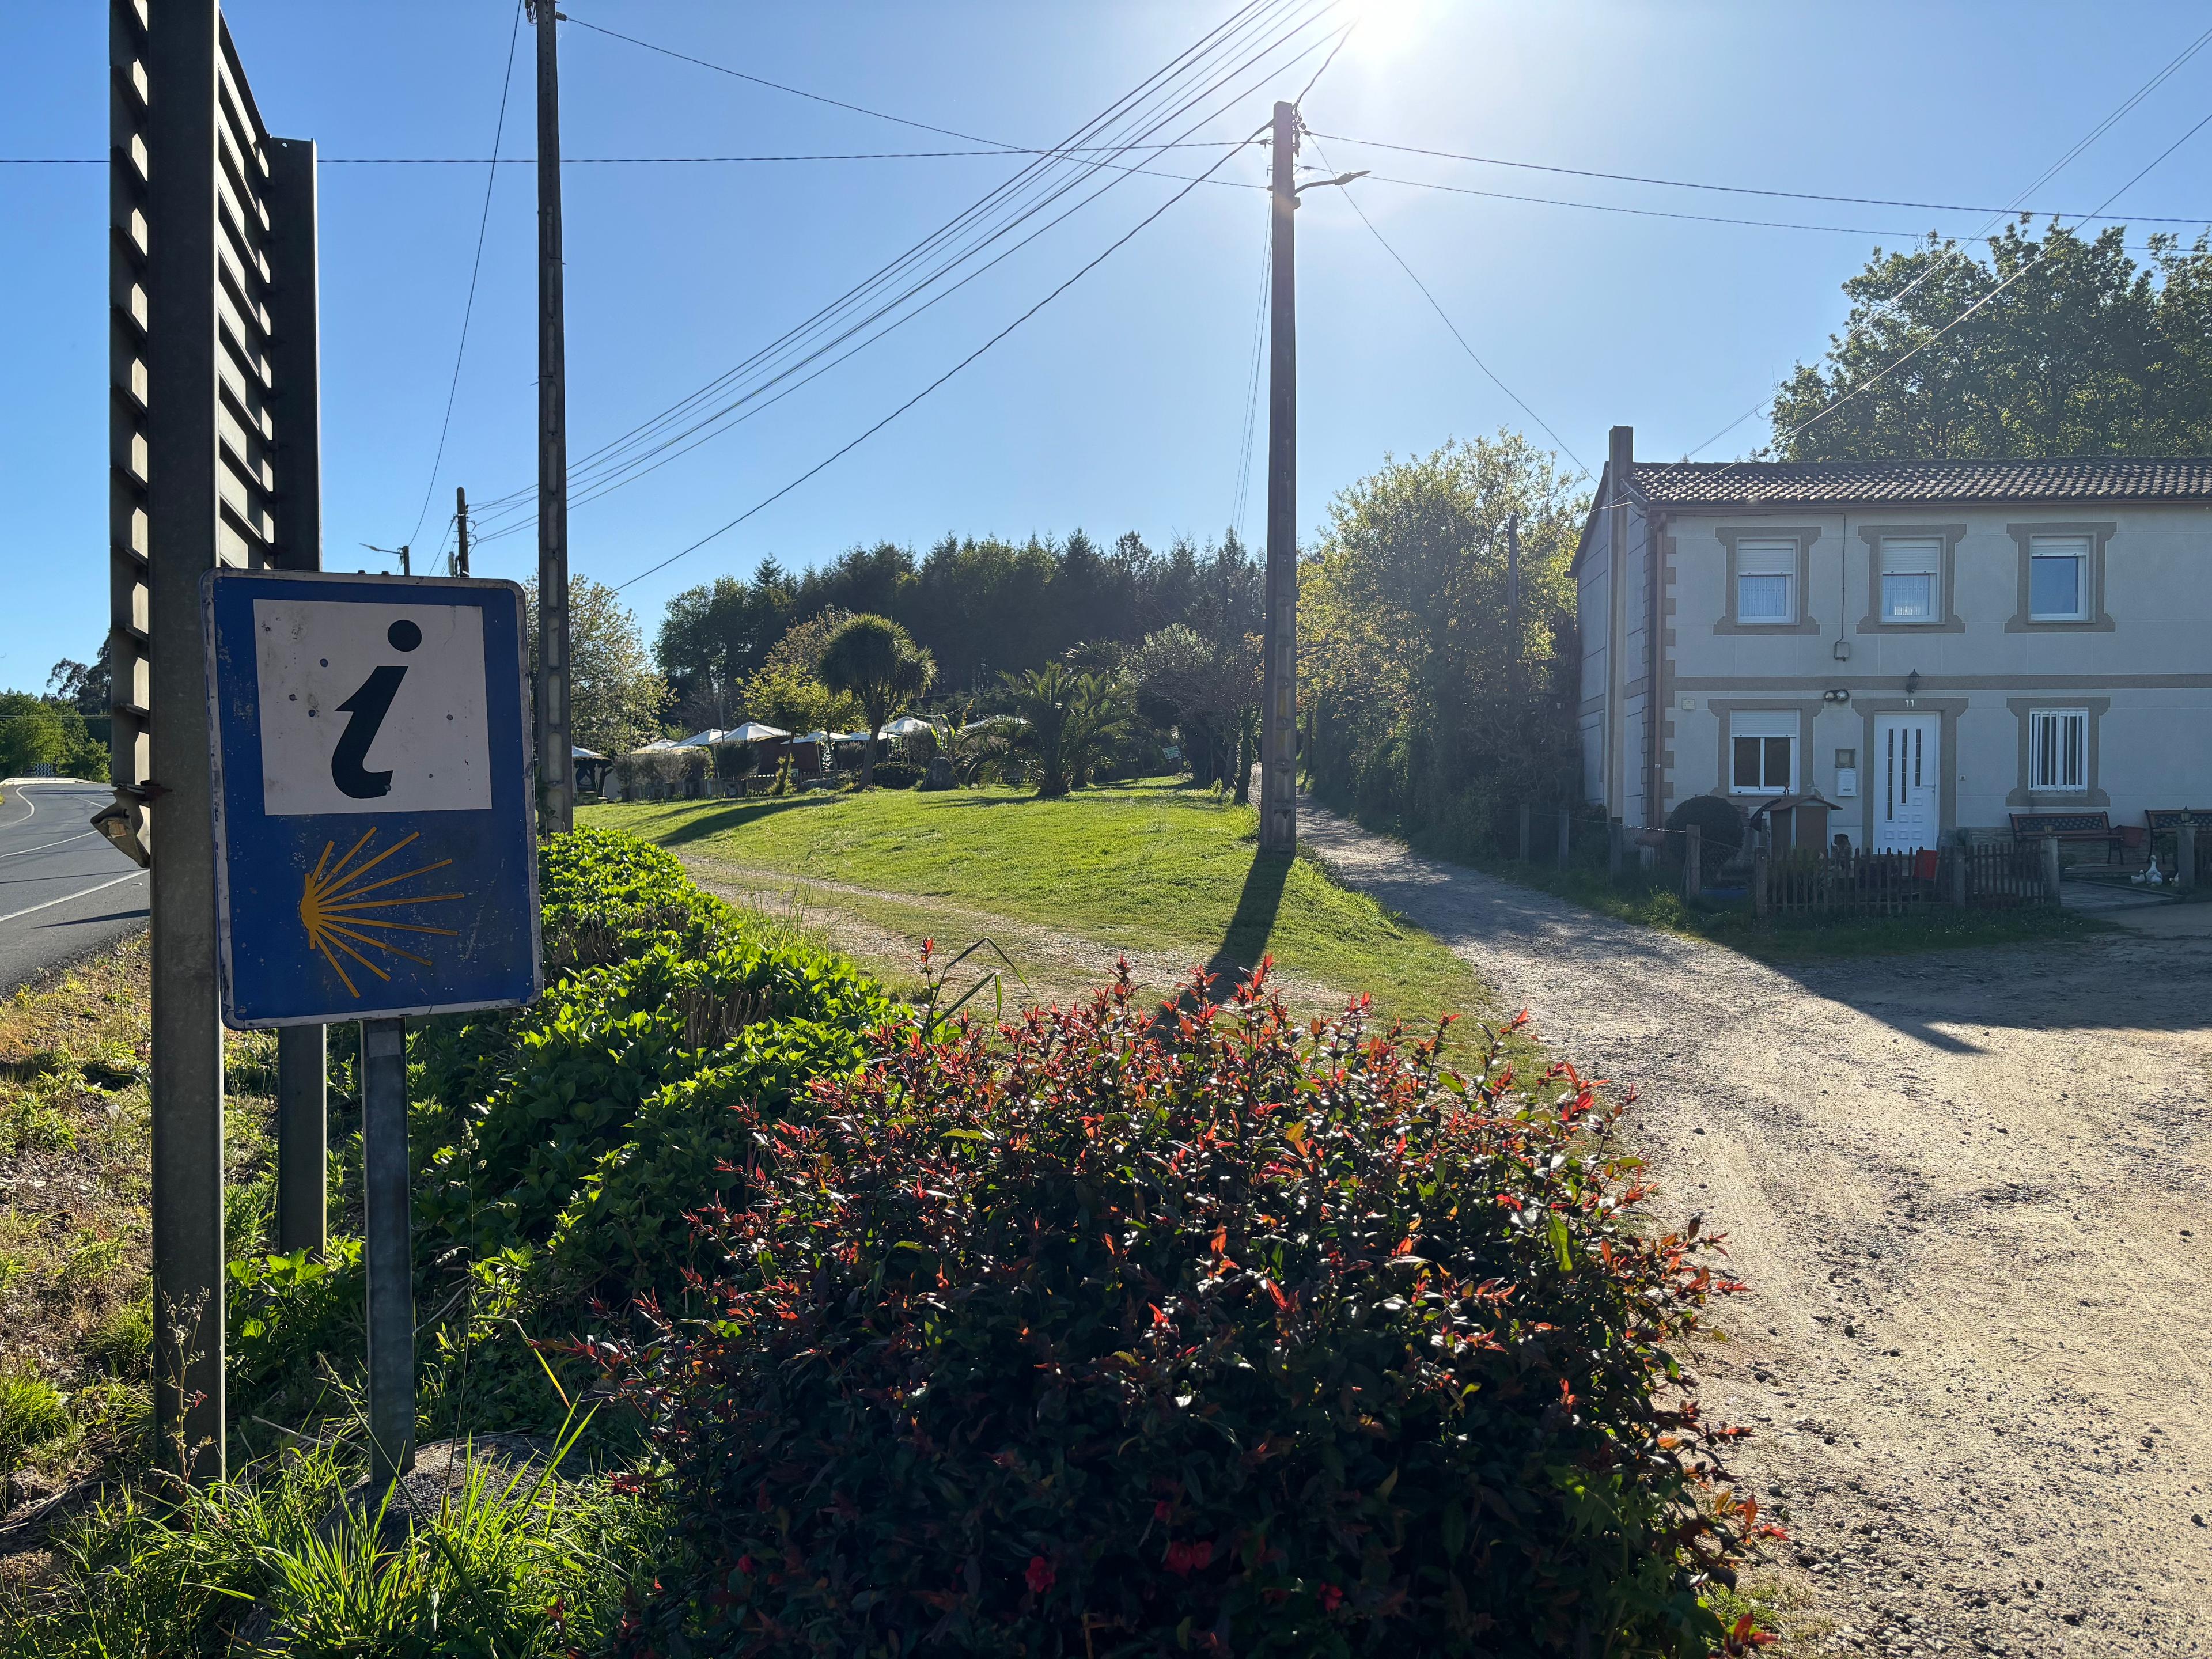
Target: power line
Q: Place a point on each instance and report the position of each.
(1731, 189)
(2080, 145)
(1327, 61)
(638, 470)
(2025, 265)
(1473, 356)
(1252, 379)
(778, 86)
(607, 466)
(607, 459)
(1111, 249)
(1696, 218)
(647, 161)
(949, 233)
(476, 266)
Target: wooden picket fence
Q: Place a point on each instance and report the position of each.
(1994, 876)
(2003, 875)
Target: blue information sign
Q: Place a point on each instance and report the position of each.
(374, 846)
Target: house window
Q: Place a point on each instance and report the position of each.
(1911, 569)
(2058, 577)
(1763, 753)
(1765, 574)
(2058, 750)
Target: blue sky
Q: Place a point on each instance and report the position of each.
(1122, 405)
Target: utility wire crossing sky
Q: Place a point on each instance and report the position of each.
(1044, 354)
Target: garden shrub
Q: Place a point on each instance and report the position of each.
(600, 1108)
(1081, 1336)
(285, 1312)
(899, 773)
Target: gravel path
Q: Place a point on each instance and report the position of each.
(1968, 1190)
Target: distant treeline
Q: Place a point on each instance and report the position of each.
(982, 607)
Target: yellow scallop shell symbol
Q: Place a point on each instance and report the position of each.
(333, 903)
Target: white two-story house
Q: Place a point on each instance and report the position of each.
(1935, 645)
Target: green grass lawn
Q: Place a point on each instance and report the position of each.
(1151, 867)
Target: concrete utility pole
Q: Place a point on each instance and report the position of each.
(556, 774)
(1278, 707)
(460, 530)
(1513, 603)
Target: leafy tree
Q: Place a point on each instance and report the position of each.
(1071, 721)
(82, 685)
(614, 696)
(980, 606)
(2060, 346)
(712, 638)
(1213, 686)
(1420, 702)
(875, 662)
(37, 731)
(787, 690)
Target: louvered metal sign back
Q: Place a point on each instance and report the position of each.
(215, 463)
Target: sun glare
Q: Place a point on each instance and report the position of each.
(1388, 29)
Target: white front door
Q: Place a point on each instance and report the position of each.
(1907, 764)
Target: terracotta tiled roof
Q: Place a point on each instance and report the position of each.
(1792, 483)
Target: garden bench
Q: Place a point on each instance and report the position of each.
(2069, 826)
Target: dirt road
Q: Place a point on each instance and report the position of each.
(1969, 1191)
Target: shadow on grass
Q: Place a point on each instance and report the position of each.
(1245, 940)
(736, 816)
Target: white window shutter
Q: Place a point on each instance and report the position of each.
(1766, 558)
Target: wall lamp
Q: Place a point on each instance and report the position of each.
(1839, 695)
(1912, 683)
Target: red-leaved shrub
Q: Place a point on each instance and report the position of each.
(1111, 1333)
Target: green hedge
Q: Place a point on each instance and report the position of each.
(598, 1118)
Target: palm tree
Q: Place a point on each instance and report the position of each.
(1071, 721)
(876, 662)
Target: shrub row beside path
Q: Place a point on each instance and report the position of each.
(1969, 1191)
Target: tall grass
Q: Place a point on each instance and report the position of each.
(514, 1564)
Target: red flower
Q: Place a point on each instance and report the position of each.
(1040, 1576)
(1183, 1559)
(1332, 1598)
(1161, 1511)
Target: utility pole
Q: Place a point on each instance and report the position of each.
(460, 530)
(556, 775)
(1513, 608)
(1278, 707)
(403, 553)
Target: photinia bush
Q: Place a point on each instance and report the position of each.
(1121, 1331)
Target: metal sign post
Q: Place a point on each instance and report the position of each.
(212, 429)
(375, 854)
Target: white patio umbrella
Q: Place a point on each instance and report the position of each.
(753, 732)
(905, 727)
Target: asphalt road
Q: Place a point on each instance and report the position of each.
(64, 890)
